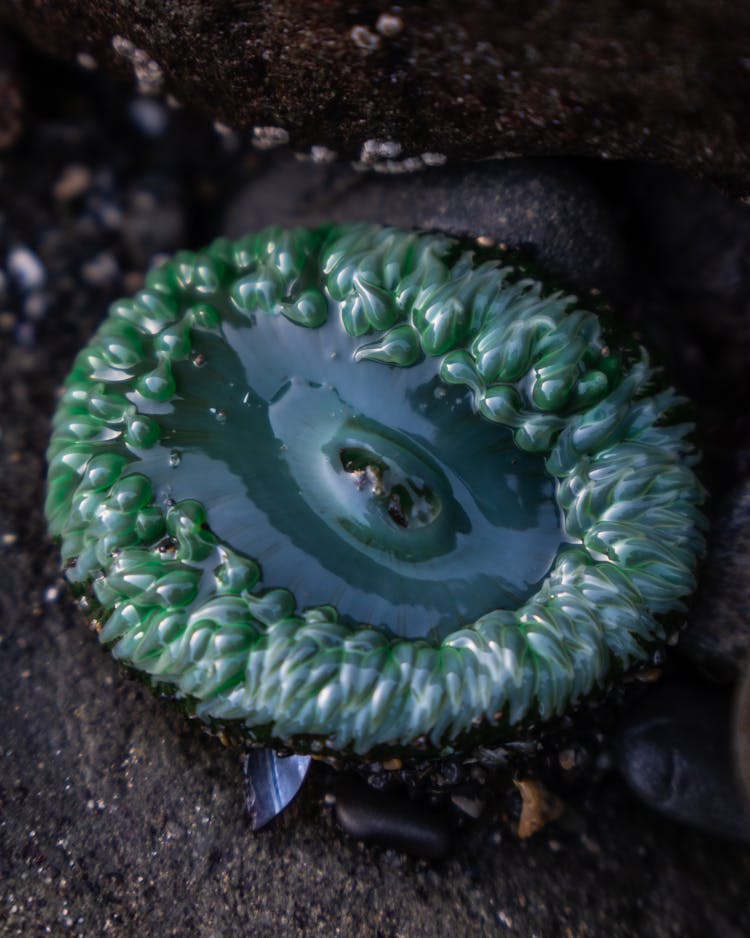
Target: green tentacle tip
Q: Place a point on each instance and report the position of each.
(353, 488)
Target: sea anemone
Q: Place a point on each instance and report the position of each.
(362, 490)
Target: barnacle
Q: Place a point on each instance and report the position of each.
(365, 489)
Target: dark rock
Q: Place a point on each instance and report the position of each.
(742, 731)
(286, 191)
(675, 752)
(390, 820)
(717, 637)
(667, 83)
(546, 207)
(691, 256)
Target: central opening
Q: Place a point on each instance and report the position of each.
(409, 503)
(364, 486)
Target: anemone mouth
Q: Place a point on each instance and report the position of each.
(357, 485)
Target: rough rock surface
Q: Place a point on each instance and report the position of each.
(119, 817)
(665, 82)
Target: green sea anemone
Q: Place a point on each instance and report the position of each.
(360, 489)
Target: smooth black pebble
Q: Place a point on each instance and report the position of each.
(391, 820)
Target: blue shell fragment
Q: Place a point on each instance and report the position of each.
(271, 784)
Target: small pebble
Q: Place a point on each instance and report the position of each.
(36, 306)
(390, 820)
(364, 39)
(101, 270)
(74, 181)
(87, 61)
(26, 269)
(267, 138)
(149, 117)
(320, 154)
(173, 831)
(539, 807)
(504, 919)
(389, 25)
(567, 759)
(471, 806)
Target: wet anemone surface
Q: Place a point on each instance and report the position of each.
(306, 480)
(115, 807)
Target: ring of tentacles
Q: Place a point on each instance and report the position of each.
(363, 489)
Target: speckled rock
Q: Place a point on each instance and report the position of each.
(381, 83)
